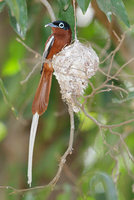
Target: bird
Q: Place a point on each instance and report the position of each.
(61, 36)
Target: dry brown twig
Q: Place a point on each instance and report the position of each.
(49, 9)
(120, 146)
(75, 19)
(69, 149)
(104, 50)
(123, 144)
(34, 68)
(37, 55)
(115, 171)
(116, 49)
(30, 73)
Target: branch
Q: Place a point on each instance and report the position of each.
(115, 32)
(49, 8)
(30, 73)
(124, 144)
(69, 149)
(75, 19)
(110, 87)
(99, 123)
(121, 68)
(28, 48)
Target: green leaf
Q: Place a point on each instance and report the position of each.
(102, 185)
(11, 67)
(66, 193)
(87, 198)
(66, 13)
(83, 4)
(15, 53)
(3, 131)
(2, 4)
(115, 7)
(86, 124)
(7, 99)
(64, 3)
(18, 16)
(64, 196)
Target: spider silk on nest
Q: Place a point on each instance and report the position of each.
(73, 67)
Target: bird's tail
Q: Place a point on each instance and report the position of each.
(39, 106)
(31, 146)
(41, 98)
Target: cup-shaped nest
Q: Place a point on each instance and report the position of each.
(73, 67)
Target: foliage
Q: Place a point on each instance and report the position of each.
(108, 189)
(103, 157)
(18, 16)
(83, 5)
(115, 7)
(18, 12)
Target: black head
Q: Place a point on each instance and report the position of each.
(59, 24)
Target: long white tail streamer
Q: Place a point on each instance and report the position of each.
(31, 146)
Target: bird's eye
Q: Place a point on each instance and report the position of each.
(61, 25)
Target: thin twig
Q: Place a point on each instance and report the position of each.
(121, 68)
(116, 35)
(69, 149)
(100, 70)
(15, 190)
(107, 46)
(29, 49)
(99, 123)
(30, 73)
(115, 171)
(49, 8)
(75, 32)
(129, 171)
(34, 68)
(124, 144)
(115, 50)
(91, 84)
(110, 87)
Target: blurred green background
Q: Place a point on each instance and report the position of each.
(100, 167)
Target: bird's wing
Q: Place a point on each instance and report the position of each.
(48, 46)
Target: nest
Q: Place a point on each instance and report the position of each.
(73, 67)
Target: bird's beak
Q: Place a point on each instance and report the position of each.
(51, 25)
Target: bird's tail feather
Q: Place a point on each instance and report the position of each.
(41, 98)
(39, 106)
(31, 146)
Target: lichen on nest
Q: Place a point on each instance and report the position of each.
(73, 67)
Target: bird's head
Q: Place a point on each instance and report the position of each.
(60, 26)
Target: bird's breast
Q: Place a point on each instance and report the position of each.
(60, 41)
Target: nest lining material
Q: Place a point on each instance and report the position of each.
(73, 66)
